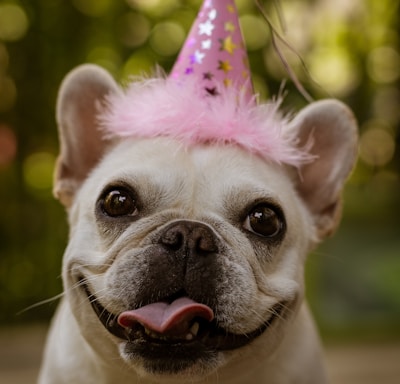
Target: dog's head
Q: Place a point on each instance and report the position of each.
(183, 257)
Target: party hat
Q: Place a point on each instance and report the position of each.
(214, 52)
(212, 62)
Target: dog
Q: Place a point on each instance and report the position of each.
(185, 263)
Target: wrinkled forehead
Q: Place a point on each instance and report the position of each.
(206, 170)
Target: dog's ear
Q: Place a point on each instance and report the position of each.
(81, 142)
(333, 129)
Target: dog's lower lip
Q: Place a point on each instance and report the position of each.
(213, 337)
(108, 319)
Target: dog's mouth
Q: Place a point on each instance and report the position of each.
(179, 321)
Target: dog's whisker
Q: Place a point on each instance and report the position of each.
(90, 266)
(85, 280)
(287, 309)
(40, 303)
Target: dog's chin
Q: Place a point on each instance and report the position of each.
(170, 359)
(196, 351)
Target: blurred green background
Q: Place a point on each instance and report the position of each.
(351, 51)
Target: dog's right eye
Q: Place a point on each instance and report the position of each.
(118, 202)
(264, 220)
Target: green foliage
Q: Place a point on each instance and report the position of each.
(351, 51)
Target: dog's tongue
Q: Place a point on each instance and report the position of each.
(162, 317)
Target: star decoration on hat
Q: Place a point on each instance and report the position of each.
(228, 45)
(197, 57)
(212, 91)
(227, 82)
(230, 8)
(191, 42)
(213, 14)
(224, 65)
(230, 27)
(206, 44)
(206, 28)
(214, 53)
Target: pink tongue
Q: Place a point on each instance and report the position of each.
(162, 317)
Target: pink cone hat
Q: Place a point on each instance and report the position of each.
(212, 62)
(214, 52)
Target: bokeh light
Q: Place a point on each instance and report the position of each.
(334, 70)
(255, 32)
(105, 56)
(8, 93)
(386, 102)
(156, 8)
(138, 64)
(133, 29)
(38, 170)
(167, 38)
(92, 8)
(13, 22)
(8, 145)
(298, 20)
(377, 144)
(384, 64)
(144, 4)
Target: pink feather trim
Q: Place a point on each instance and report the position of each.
(163, 107)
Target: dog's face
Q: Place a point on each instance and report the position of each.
(181, 259)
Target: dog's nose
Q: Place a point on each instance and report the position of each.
(190, 237)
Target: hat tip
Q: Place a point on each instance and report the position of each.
(214, 52)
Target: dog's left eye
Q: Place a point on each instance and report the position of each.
(118, 202)
(263, 220)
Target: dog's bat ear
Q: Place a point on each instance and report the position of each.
(333, 129)
(82, 144)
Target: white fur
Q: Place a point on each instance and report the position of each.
(209, 184)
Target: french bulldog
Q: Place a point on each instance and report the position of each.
(185, 264)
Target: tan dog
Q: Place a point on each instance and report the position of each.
(185, 264)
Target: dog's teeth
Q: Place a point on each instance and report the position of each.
(194, 329)
(111, 323)
(151, 333)
(154, 335)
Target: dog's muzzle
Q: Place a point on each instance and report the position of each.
(177, 326)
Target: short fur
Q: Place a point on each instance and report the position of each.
(246, 278)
